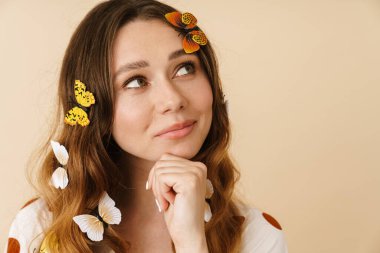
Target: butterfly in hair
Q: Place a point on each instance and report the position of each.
(84, 99)
(194, 37)
(106, 214)
(59, 178)
(209, 193)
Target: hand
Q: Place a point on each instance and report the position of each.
(179, 185)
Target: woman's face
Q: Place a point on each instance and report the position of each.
(158, 86)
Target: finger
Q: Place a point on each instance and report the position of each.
(156, 191)
(181, 162)
(150, 176)
(170, 166)
(178, 168)
(163, 186)
(184, 183)
(149, 180)
(171, 157)
(165, 193)
(168, 156)
(165, 163)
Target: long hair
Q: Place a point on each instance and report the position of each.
(91, 166)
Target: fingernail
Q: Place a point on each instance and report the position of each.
(158, 205)
(146, 185)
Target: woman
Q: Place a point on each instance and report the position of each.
(144, 164)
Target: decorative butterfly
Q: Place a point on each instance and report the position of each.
(84, 99)
(195, 37)
(52, 241)
(106, 214)
(209, 193)
(59, 178)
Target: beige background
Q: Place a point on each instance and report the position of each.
(303, 83)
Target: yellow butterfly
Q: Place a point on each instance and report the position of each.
(51, 241)
(84, 99)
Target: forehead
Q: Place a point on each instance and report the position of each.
(145, 40)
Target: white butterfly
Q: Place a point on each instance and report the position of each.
(59, 178)
(207, 214)
(209, 193)
(92, 225)
(209, 189)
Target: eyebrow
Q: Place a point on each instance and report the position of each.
(143, 64)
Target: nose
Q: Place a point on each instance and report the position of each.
(169, 97)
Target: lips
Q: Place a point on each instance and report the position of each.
(176, 126)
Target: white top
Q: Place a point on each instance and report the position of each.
(262, 233)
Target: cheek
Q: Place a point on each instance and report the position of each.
(203, 97)
(127, 117)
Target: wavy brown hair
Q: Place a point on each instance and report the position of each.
(93, 152)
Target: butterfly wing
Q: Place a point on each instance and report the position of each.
(59, 178)
(77, 115)
(60, 152)
(83, 97)
(192, 41)
(175, 18)
(91, 225)
(207, 213)
(49, 243)
(189, 20)
(189, 45)
(107, 210)
(199, 37)
(184, 21)
(209, 189)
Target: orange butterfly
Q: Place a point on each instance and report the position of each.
(187, 21)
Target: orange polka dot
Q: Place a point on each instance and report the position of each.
(272, 221)
(28, 203)
(13, 245)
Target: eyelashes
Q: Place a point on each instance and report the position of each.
(136, 80)
(139, 81)
(187, 64)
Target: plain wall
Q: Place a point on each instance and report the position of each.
(303, 83)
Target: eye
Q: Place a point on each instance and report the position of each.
(135, 83)
(186, 68)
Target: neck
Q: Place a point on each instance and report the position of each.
(133, 197)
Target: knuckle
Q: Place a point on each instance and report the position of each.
(164, 156)
(158, 170)
(159, 177)
(193, 181)
(203, 167)
(158, 164)
(199, 173)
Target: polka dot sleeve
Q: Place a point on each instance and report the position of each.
(262, 233)
(27, 229)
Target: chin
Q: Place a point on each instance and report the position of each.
(186, 152)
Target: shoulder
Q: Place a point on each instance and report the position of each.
(262, 233)
(28, 226)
